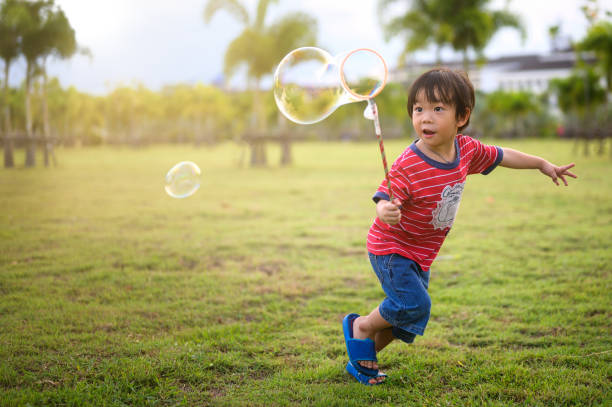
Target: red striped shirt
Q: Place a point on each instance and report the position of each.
(430, 192)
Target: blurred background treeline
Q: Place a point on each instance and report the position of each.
(40, 113)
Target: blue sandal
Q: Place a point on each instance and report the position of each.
(358, 349)
(362, 378)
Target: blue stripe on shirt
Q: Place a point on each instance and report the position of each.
(500, 157)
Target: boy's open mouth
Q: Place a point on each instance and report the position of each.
(428, 132)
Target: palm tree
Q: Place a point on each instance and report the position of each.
(11, 18)
(46, 33)
(260, 48)
(32, 48)
(61, 43)
(466, 25)
(422, 25)
(475, 26)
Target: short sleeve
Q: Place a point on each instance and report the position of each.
(400, 185)
(484, 158)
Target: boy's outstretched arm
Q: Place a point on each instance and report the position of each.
(519, 160)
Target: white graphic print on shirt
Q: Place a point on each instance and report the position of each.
(444, 214)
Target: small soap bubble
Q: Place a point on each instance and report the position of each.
(183, 180)
(364, 73)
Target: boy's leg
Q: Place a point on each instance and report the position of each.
(372, 326)
(383, 338)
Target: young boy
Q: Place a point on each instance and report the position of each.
(426, 183)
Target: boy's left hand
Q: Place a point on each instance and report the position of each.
(556, 172)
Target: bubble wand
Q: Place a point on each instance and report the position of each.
(309, 84)
(374, 109)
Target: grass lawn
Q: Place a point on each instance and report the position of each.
(113, 293)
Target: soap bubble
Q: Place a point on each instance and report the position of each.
(363, 73)
(183, 180)
(306, 87)
(309, 84)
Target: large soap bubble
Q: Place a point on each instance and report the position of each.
(183, 179)
(309, 84)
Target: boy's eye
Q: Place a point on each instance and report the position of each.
(438, 109)
(418, 109)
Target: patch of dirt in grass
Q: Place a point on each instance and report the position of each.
(352, 252)
(295, 290)
(188, 263)
(480, 342)
(153, 316)
(595, 312)
(107, 327)
(270, 268)
(353, 283)
(539, 332)
(216, 393)
(344, 252)
(434, 343)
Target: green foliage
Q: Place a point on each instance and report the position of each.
(579, 92)
(465, 26)
(12, 15)
(512, 114)
(112, 293)
(261, 47)
(46, 31)
(512, 103)
(598, 39)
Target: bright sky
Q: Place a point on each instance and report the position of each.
(158, 42)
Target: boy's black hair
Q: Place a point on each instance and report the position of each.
(447, 86)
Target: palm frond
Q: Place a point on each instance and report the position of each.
(253, 49)
(293, 31)
(233, 7)
(262, 11)
(508, 19)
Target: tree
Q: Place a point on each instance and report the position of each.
(61, 43)
(474, 26)
(512, 106)
(47, 32)
(466, 25)
(260, 48)
(598, 40)
(11, 20)
(579, 96)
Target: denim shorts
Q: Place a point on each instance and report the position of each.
(407, 304)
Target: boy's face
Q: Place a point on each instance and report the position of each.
(435, 123)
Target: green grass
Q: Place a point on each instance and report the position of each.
(113, 293)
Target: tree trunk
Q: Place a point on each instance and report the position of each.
(586, 136)
(285, 142)
(9, 161)
(30, 158)
(258, 147)
(466, 62)
(47, 140)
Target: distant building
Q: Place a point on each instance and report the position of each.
(510, 73)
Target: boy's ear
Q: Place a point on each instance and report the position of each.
(461, 121)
